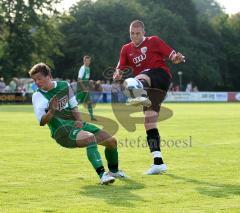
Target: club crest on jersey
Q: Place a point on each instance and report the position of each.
(143, 50)
(62, 102)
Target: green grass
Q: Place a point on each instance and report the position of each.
(37, 175)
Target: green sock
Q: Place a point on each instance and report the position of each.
(112, 159)
(95, 158)
(90, 110)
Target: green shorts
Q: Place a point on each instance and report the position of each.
(66, 135)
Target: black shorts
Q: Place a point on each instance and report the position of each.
(160, 82)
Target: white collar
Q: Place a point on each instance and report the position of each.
(55, 85)
(144, 38)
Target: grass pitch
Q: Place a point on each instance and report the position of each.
(201, 144)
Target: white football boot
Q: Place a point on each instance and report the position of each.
(106, 179)
(118, 174)
(144, 101)
(156, 169)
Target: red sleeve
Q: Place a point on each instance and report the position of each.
(123, 61)
(165, 50)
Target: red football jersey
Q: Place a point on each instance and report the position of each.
(151, 53)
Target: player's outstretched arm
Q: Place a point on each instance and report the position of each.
(177, 58)
(117, 75)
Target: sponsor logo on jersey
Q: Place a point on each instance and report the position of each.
(139, 58)
(62, 102)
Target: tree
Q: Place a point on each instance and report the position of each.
(97, 29)
(20, 20)
(208, 9)
(229, 29)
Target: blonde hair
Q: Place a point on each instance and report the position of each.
(40, 68)
(137, 23)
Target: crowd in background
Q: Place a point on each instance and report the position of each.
(190, 87)
(27, 85)
(19, 85)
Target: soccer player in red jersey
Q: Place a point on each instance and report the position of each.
(147, 58)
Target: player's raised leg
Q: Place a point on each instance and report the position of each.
(135, 90)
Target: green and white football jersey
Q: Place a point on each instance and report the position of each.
(66, 102)
(84, 74)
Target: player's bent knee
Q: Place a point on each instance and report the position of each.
(145, 80)
(154, 107)
(150, 121)
(112, 142)
(84, 138)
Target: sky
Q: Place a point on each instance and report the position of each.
(231, 6)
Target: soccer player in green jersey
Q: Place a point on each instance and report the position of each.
(55, 105)
(83, 96)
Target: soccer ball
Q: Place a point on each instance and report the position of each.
(132, 88)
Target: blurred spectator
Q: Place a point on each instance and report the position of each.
(195, 89)
(2, 85)
(106, 88)
(174, 88)
(98, 87)
(12, 86)
(116, 88)
(177, 88)
(22, 89)
(104, 91)
(97, 90)
(189, 87)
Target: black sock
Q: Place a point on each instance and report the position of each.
(100, 170)
(153, 139)
(113, 168)
(158, 161)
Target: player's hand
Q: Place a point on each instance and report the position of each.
(117, 75)
(81, 86)
(178, 58)
(78, 124)
(53, 104)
